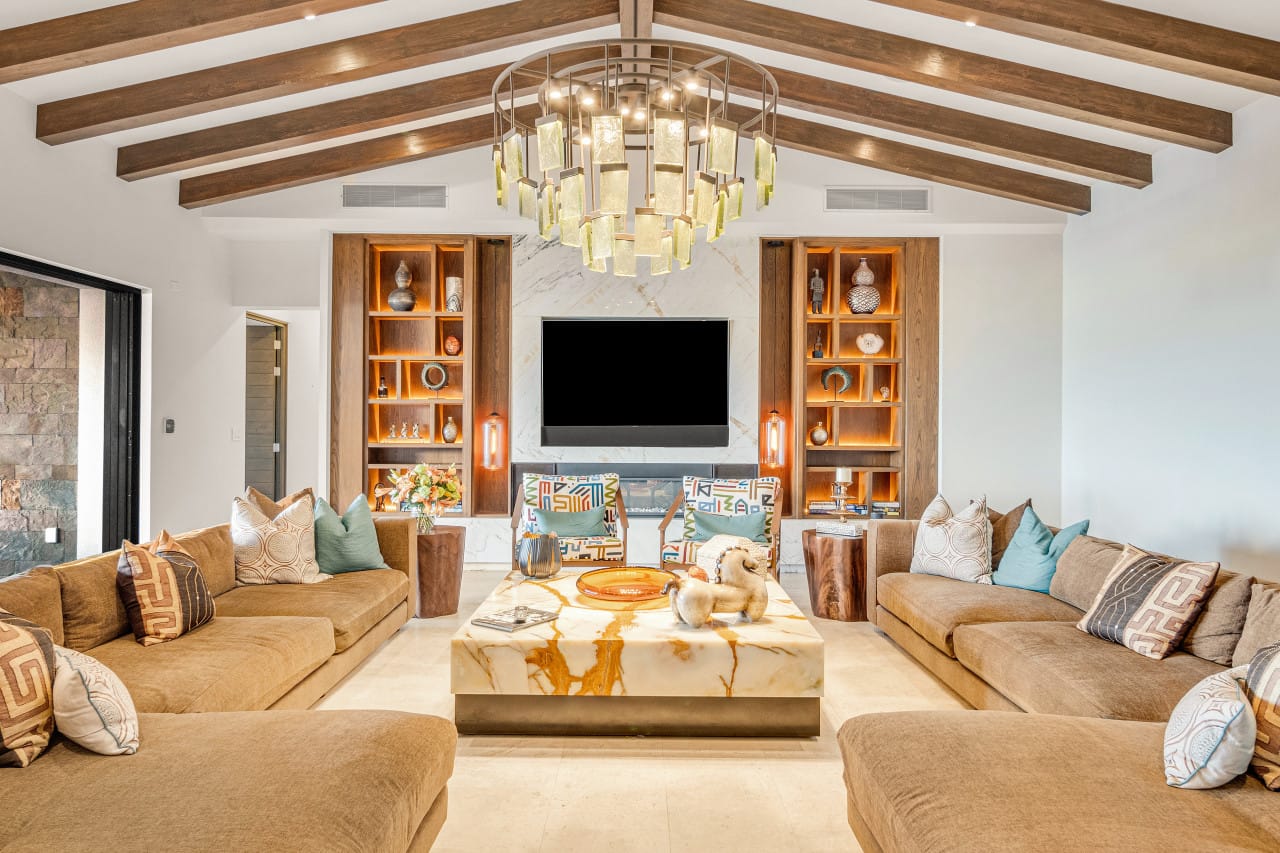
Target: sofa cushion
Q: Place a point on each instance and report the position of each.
(1046, 783)
(240, 664)
(211, 547)
(36, 597)
(1082, 569)
(163, 590)
(92, 612)
(1054, 668)
(1262, 625)
(353, 601)
(935, 606)
(27, 668)
(1003, 527)
(1215, 634)
(322, 781)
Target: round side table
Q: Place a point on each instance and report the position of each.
(837, 570)
(440, 557)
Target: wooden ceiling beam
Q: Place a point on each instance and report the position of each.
(308, 68)
(1125, 32)
(1115, 107)
(925, 163)
(340, 160)
(129, 29)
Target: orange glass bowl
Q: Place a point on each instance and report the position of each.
(638, 583)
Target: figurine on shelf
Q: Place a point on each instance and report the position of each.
(817, 346)
(452, 346)
(404, 430)
(415, 431)
(838, 373)
(817, 290)
(382, 388)
(391, 436)
(885, 393)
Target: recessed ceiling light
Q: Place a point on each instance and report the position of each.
(310, 16)
(971, 23)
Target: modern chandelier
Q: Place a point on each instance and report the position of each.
(598, 100)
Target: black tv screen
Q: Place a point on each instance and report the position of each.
(642, 383)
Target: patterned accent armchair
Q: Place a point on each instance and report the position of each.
(722, 497)
(575, 494)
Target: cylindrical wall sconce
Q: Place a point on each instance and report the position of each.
(773, 440)
(493, 444)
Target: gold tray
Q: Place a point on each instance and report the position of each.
(638, 583)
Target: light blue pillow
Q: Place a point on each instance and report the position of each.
(1032, 555)
(349, 543)
(708, 524)
(588, 522)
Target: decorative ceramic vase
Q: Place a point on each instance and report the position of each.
(402, 298)
(869, 343)
(862, 297)
(453, 293)
(452, 346)
(817, 288)
(450, 431)
(818, 435)
(538, 555)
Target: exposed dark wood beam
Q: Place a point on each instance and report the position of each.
(1125, 32)
(321, 65)
(973, 74)
(925, 163)
(341, 160)
(129, 29)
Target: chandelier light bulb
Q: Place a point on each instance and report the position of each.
(702, 133)
(640, 115)
(624, 110)
(667, 95)
(588, 99)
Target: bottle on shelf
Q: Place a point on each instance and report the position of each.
(382, 388)
(450, 431)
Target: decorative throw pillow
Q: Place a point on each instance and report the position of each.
(1209, 738)
(271, 508)
(1148, 603)
(574, 524)
(275, 550)
(92, 706)
(1261, 625)
(26, 700)
(708, 524)
(1217, 632)
(163, 590)
(954, 546)
(1032, 556)
(1263, 688)
(347, 543)
(1003, 528)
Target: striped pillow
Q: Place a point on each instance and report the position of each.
(1149, 603)
(1263, 689)
(26, 702)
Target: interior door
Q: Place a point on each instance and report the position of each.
(266, 342)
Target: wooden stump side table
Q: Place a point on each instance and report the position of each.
(837, 570)
(440, 558)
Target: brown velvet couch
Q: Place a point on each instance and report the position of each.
(1084, 769)
(212, 772)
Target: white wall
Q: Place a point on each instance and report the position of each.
(64, 205)
(1170, 393)
(90, 431)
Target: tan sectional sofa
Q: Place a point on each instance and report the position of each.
(1082, 771)
(213, 772)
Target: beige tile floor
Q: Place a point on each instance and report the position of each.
(654, 795)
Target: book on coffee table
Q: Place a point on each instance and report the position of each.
(514, 620)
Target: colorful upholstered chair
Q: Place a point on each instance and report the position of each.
(575, 494)
(723, 497)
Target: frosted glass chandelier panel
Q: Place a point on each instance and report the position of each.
(499, 177)
(571, 232)
(669, 194)
(704, 198)
(528, 197)
(601, 236)
(670, 145)
(624, 255)
(607, 142)
(733, 208)
(660, 264)
(573, 194)
(722, 147)
(648, 240)
(513, 155)
(682, 239)
(764, 160)
(550, 143)
(615, 187)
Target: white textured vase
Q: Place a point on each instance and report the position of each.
(453, 293)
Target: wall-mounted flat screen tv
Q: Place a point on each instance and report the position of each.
(635, 383)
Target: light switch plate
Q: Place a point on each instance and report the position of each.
(52, 535)
(237, 434)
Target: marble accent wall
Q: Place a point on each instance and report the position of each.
(548, 280)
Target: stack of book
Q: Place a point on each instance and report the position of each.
(886, 509)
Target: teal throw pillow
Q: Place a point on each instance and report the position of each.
(708, 524)
(1032, 555)
(349, 543)
(588, 522)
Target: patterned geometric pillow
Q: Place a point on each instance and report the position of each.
(162, 589)
(564, 493)
(730, 497)
(1209, 738)
(1149, 603)
(954, 546)
(26, 700)
(1263, 689)
(92, 706)
(275, 550)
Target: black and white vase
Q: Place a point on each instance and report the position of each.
(863, 298)
(402, 298)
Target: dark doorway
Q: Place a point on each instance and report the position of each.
(265, 358)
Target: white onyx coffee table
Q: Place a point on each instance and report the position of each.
(608, 668)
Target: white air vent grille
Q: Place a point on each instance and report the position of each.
(395, 195)
(915, 199)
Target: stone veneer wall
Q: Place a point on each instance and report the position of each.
(39, 398)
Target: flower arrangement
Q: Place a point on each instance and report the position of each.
(426, 492)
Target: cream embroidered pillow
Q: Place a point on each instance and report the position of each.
(954, 545)
(91, 705)
(275, 550)
(1209, 738)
